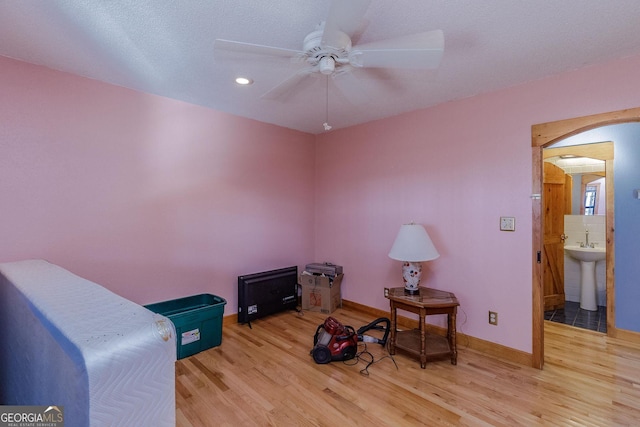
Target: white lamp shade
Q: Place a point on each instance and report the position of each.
(413, 244)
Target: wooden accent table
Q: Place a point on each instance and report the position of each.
(417, 341)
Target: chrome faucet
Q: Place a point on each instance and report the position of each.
(587, 245)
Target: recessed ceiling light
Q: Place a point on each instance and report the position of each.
(243, 81)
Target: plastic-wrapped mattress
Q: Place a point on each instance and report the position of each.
(69, 342)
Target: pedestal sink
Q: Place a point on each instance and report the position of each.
(588, 258)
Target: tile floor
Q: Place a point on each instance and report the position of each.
(573, 315)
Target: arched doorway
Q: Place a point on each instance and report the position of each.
(543, 135)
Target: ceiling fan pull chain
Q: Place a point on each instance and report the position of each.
(326, 123)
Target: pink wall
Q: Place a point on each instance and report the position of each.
(156, 199)
(150, 197)
(456, 169)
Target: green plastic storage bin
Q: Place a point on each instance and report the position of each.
(198, 321)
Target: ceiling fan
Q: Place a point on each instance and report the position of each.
(328, 50)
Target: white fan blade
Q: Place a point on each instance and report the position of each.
(220, 44)
(345, 16)
(283, 89)
(352, 88)
(422, 50)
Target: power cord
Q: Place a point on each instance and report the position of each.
(463, 323)
(365, 356)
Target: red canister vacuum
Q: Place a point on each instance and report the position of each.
(334, 341)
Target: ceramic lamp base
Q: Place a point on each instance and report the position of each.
(411, 274)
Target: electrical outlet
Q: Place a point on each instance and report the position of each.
(507, 223)
(386, 292)
(493, 318)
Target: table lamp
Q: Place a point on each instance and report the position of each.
(412, 246)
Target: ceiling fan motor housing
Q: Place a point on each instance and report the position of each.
(326, 57)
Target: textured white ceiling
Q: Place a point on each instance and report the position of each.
(165, 47)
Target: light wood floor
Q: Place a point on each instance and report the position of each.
(265, 377)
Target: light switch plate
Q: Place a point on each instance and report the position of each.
(507, 223)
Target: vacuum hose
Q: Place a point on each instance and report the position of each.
(375, 325)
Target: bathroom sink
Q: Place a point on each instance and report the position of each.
(586, 254)
(588, 286)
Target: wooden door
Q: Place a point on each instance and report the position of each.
(556, 203)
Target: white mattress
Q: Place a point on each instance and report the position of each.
(67, 341)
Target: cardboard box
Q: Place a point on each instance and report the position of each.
(320, 293)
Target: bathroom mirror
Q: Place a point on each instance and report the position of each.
(587, 192)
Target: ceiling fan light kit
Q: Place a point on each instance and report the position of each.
(327, 65)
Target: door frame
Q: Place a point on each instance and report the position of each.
(543, 135)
